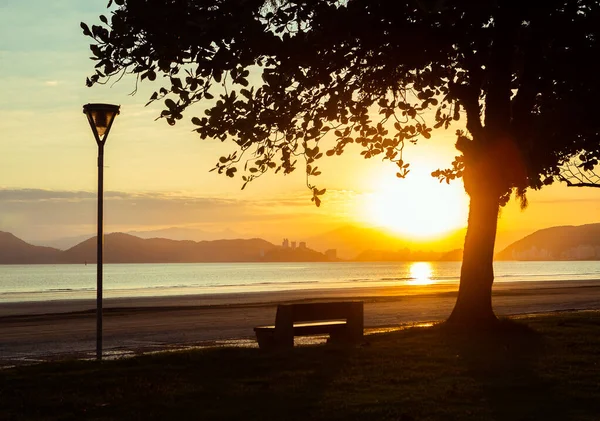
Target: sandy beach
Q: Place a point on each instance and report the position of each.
(35, 331)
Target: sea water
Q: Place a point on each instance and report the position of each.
(20, 283)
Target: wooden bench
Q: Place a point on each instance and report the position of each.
(342, 320)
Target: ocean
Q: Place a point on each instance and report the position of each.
(22, 283)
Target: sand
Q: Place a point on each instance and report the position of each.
(49, 330)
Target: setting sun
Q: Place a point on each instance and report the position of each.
(418, 206)
(420, 274)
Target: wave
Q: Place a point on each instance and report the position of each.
(46, 291)
(548, 276)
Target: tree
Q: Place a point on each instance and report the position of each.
(370, 72)
(577, 174)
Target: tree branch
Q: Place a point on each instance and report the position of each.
(497, 111)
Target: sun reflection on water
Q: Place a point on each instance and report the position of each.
(420, 274)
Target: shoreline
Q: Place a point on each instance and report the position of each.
(266, 298)
(35, 331)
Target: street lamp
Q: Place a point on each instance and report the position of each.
(100, 117)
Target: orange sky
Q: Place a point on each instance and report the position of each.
(161, 172)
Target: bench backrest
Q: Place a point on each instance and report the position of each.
(310, 312)
(288, 314)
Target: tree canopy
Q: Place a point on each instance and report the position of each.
(520, 68)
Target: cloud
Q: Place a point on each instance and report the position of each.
(51, 83)
(36, 195)
(46, 214)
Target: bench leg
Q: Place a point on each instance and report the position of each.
(343, 336)
(338, 337)
(266, 340)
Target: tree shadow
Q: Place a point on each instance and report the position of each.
(504, 361)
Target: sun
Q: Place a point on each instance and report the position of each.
(420, 274)
(418, 206)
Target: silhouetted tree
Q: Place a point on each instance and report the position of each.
(577, 174)
(278, 76)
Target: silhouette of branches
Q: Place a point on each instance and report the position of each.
(574, 174)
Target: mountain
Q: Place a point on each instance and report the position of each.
(556, 243)
(455, 255)
(126, 248)
(287, 254)
(13, 250)
(353, 242)
(349, 241)
(173, 233)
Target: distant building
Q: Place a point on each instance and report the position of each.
(331, 254)
(285, 243)
(293, 245)
(302, 245)
(581, 252)
(532, 254)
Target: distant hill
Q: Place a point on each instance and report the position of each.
(352, 242)
(452, 256)
(556, 243)
(281, 254)
(173, 233)
(349, 241)
(13, 250)
(125, 248)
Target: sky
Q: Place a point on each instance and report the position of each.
(157, 176)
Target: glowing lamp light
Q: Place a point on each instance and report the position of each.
(101, 117)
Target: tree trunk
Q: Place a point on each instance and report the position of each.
(473, 306)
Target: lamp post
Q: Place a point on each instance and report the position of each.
(100, 117)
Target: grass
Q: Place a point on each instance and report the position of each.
(534, 368)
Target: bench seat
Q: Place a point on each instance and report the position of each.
(309, 328)
(342, 321)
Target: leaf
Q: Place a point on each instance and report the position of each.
(86, 29)
(170, 103)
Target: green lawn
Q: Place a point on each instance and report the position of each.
(534, 368)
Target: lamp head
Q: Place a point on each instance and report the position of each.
(101, 117)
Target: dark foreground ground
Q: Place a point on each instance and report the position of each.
(50, 330)
(543, 367)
